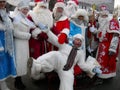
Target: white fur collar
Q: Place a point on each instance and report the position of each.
(63, 18)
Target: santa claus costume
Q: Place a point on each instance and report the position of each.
(40, 14)
(56, 60)
(61, 23)
(71, 8)
(108, 34)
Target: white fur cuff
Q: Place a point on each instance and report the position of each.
(1, 49)
(66, 31)
(35, 32)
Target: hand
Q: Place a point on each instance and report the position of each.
(42, 26)
(97, 70)
(92, 29)
(111, 53)
(42, 36)
(62, 38)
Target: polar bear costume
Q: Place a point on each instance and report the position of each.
(55, 60)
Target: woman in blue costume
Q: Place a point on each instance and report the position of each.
(78, 25)
(7, 57)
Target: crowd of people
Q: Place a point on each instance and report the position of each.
(67, 40)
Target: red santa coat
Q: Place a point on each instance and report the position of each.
(61, 26)
(108, 43)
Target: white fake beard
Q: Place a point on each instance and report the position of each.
(44, 16)
(102, 20)
(71, 8)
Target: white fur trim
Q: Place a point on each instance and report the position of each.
(81, 12)
(72, 2)
(1, 49)
(92, 62)
(2, 27)
(45, 4)
(114, 44)
(23, 4)
(112, 50)
(105, 76)
(113, 31)
(63, 18)
(32, 4)
(59, 4)
(66, 31)
(79, 36)
(35, 70)
(35, 32)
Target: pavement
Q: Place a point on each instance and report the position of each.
(113, 84)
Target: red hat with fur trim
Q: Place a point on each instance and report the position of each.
(37, 1)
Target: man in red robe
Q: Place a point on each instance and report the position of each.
(108, 34)
(40, 14)
(61, 23)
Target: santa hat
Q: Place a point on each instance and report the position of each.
(81, 12)
(23, 4)
(79, 36)
(42, 3)
(103, 7)
(60, 3)
(72, 2)
(75, 2)
(37, 1)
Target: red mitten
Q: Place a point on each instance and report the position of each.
(99, 34)
(42, 36)
(77, 70)
(62, 38)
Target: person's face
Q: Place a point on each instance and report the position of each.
(77, 42)
(81, 17)
(115, 17)
(91, 18)
(25, 10)
(43, 7)
(104, 16)
(2, 4)
(59, 10)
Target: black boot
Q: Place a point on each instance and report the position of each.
(19, 84)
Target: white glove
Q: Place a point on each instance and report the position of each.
(92, 29)
(43, 27)
(35, 33)
(1, 51)
(97, 70)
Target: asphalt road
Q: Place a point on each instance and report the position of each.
(113, 84)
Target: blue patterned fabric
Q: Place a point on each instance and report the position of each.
(7, 62)
(74, 29)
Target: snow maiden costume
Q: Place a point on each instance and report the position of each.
(7, 54)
